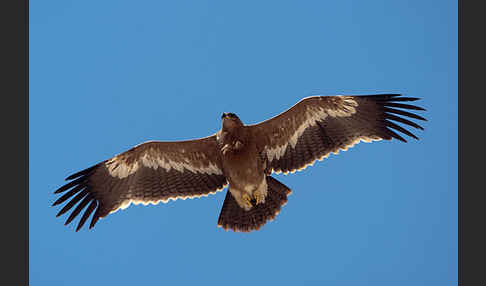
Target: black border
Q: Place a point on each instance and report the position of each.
(15, 134)
(471, 194)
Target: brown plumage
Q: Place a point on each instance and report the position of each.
(243, 156)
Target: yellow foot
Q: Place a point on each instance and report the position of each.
(259, 198)
(247, 201)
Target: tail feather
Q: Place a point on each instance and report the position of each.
(233, 217)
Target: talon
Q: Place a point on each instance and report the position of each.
(247, 200)
(259, 198)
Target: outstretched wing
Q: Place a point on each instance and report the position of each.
(319, 125)
(152, 172)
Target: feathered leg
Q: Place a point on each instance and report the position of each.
(234, 217)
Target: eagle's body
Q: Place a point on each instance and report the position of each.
(242, 165)
(241, 156)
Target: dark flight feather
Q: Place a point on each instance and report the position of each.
(86, 214)
(79, 208)
(71, 203)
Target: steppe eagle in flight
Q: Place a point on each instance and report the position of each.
(241, 156)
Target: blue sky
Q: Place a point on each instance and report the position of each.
(107, 75)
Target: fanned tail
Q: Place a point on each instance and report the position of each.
(233, 217)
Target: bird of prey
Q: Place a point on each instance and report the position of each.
(241, 156)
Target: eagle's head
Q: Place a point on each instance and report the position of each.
(230, 120)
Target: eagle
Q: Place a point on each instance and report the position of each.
(240, 156)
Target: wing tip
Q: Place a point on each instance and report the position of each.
(392, 114)
(389, 100)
